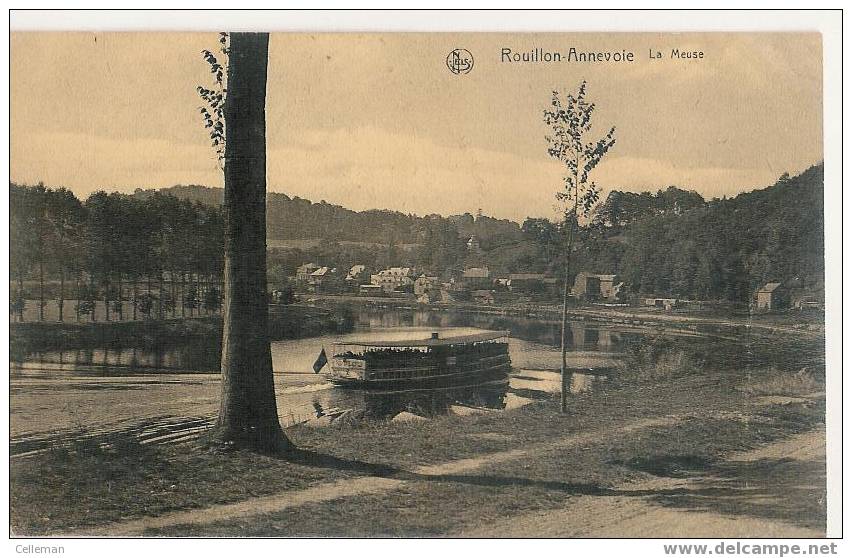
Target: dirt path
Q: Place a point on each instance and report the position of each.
(350, 487)
(639, 516)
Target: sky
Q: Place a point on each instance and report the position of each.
(378, 120)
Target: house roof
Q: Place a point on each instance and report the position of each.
(440, 342)
(600, 276)
(396, 271)
(769, 287)
(476, 272)
(320, 272)
(527, 276)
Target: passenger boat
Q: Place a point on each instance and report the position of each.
(432, 362)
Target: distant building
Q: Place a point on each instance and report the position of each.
(473, 244)
(324, 279)
(428, 297)
(425, 284)
(393, 278)
(357, 275)
(304, 271)
(526, 282)
(371, 290)
(553, 285)
(483, 296)
(475, 278)
(594, 286)
(664, 303)
(501, 283)
(770, 297)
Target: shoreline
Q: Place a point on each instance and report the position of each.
(623, 315)
(294, 322)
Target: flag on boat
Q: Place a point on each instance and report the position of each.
(322, 360)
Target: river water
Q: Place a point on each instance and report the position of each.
(171, 392)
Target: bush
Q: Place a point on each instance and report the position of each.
(771, 381)
(658, 358)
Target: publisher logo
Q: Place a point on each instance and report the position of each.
(460, 61)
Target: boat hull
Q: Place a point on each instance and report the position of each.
(423, 377)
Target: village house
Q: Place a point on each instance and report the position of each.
(475, 278)
(304, 271)
(483, 296)
(357, 275)
(593, 286)
(770, 297)
(501, 283)
(664, 303)
(473, 244)
(552, 286)
(323, 279)
(526, 283)
(370, 290)
(429, 297)
(425, 284)
(393, 278)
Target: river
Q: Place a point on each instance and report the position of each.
(171, 392)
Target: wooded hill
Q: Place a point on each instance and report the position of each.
(298, 218)
(671, 243)
(723, 249)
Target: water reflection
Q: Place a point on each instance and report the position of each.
(595, 352)
(550, 382)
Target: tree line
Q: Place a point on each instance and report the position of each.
(161, 254)
(675, 244)
(668, 243)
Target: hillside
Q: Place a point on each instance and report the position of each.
(721, 249)
(292, 218)
(672, 242)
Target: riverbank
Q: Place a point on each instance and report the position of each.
(285, 322)
(801, 323)
(458, 475)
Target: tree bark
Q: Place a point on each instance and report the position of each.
(94, 298)
(160, 295)
(120, 297)
(248, 415)
(79, 298)
(23, 299)
(106, 300)
(41, 286)
(61, 294)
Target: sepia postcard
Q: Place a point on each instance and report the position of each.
(421, 284)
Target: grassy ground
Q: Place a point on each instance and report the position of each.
(93, 485)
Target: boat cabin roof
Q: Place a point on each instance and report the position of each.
(431, 342)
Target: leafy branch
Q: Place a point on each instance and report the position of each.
(213, 111)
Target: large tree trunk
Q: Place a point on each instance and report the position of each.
(248, 415)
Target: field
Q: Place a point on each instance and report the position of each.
(640, 457)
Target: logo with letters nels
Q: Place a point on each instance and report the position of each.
(460, 61)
